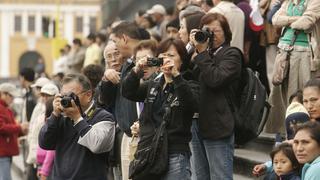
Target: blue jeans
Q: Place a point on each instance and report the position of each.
(199, 161)
(5, 168)
(179, 167)
(220, 157)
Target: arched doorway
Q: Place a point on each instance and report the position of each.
(29, 59)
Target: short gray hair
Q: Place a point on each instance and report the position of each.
(80, 78)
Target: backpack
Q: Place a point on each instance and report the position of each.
(252, 112)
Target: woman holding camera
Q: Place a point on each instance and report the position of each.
(169, 96)
(220, 70)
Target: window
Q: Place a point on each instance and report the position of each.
(93, 24)
(31, 23)
(17, 23)
(79, 24)
(45, 26)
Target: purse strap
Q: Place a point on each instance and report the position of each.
(293, 40)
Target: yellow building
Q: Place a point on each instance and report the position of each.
(27, 30)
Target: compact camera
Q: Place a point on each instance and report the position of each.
(202, 35)
(66, 100)
(154, 61)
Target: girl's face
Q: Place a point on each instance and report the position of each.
(183, 33)
(305, 148)
(281, 164)
(311, 101)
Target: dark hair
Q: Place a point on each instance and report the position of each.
(146, 44)
(130, 29)
(170, 10)
(179, 45)
(49, 107)
(209, 3)
(287, 150)
(193, 21)
(68, 46)
(210, 17)
(141, 12)
(77, 41)
(79, 78)
(92, 37)
(28, 74)
(102, 37)
(94, 73)
(144, 34)
(174, 23)
(313, 83)
(313, 128)
(298, 95)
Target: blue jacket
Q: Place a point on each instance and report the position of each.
(311, 171)
(290, 176)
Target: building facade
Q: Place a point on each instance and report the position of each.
(28, 30)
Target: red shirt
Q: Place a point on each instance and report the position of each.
(9, 132)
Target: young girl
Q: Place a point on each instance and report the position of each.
(285, 164)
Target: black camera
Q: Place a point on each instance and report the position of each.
(66, 100)
(154, 61)
(202, 35)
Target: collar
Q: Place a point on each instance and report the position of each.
(289, 175)
(90, 110)
(317, 160)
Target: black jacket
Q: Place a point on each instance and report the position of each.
(219, 78)
(184, 102)
(81, 149)
(125, 111)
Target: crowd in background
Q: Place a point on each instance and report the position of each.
(121, 82)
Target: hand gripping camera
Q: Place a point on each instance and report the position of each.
(202, 35)
(154, 61)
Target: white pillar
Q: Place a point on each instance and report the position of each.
(68, 26)
(10, 22)
(86, 24)
(38, 24)
(24, 24)
(5, 40)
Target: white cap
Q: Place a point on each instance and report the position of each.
(158, 8)
(9, 88)
(40, 82)
(49, 89)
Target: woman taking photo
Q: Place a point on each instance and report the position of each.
(306, 146)
(220, 69)
(168, 90)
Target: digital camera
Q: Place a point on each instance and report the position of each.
(66, 100)
(202, 35)
(154, 61)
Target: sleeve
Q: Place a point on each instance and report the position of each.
(99, 137)
(280, 18)
(274, 9)
(310, 16)
(49, 133)
(107, 93)
(215, 74)
(188, 92)
(269, 167)
(8, 129)
(47, 163)
(132, 89)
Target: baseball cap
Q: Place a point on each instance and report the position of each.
(40, 82)
(158, 8)
(49, 89)
(10, 89)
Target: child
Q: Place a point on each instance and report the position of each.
(285, 164)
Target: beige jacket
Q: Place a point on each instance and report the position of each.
(235, 18)
(309, 22)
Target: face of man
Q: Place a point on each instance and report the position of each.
(113, 57)
(121, 42)
(172, 32)
(85, 96)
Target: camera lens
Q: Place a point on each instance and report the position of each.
(200, 36)
(66, 102)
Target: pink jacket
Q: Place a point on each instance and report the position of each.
(45, 160)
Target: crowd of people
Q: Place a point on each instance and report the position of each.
(171, 71)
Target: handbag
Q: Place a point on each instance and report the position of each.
(151, 157)
(282, 63)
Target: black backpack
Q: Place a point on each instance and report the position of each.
(252, 112)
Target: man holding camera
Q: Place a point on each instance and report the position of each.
(81, 133)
